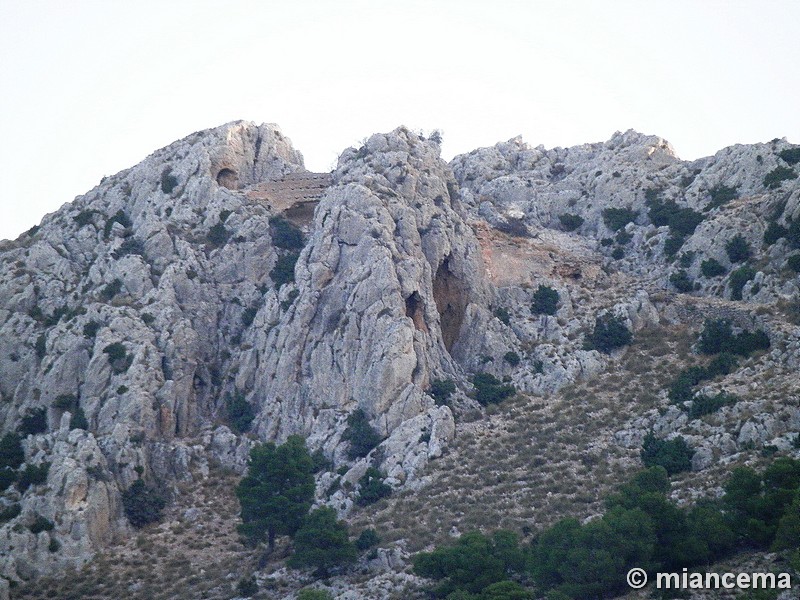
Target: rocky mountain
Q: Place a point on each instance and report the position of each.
(217, 294)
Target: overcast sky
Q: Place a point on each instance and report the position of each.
(92, 87)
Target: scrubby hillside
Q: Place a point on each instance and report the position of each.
(509, 327)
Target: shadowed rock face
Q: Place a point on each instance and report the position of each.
(451, 302)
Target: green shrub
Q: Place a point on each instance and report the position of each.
(705, 405)
(790, 155)
(371, 487)
(65, 401)
(142, 504)
(777, 176)
(490, 390)
(717, 336)
(793, 262)
(623, 237)
(11, 453)
(283, 272)
(610, 333)
(683, 222)
(112, 289)
(129, 245)
(322, 543)
(90, 329)
(793, 234)
(618, 254)
(720, 195)
(441, 390)
(10, 512)
(738, 279)
(78, 419)
(85, 217)
(54, 545)
(239, 412)
(361, 435)
(738, 249)
(34, 421)
(249, 315)
(367, 539)
(247, 587)
(774, 232)
(32, 475)
(724, 363)
(712, 268)
(545, 301)
(118, 357)
(682, 282)
(674, 455)
(502, 315)
(570, 222)
(472, 564)
(7, 477)
(40, 524)
(218, 235)
(672, 244)
(512, 358)
(284, 234)
(681, 388)
(616, 218)
(168, 181)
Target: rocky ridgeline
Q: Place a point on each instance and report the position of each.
(136, 321)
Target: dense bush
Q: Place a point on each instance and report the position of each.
(610, 333)
(616, 218)
(118, 357)
(218, 235)
(130, 245)
(239, 412)
(570, 222)
(502, 315)
(738, 279)
(490, 390)
(793, 234)
(705, 405)
(247, 587)
(618, 254)
(32, 475)
(441, 390)
(41, 524)
(142, 504)
(322, 543)
(777, 176)
(545, 301)
(738, 249)
(512, 358)
(7, 477)
(9, 512)
(78, 419)
(790, 155)
(112, 289)
(682, 221)
(682, 282)
(712, 268)
(371, 487)
(793, 262)
(361, 435)
(672, 244)
(774, 232)
(283, 271)
(277, 492)
(34, 421)
(472, 564)
(717, 336)
(673, 455)
(284, 234)
(367, 539)
(11, 453)
(720, 195)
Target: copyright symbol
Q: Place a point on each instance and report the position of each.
(637, 578)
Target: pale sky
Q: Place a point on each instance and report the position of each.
(92, 87)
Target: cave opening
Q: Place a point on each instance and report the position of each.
(451, 302)
(415, 310)
(228, 178)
